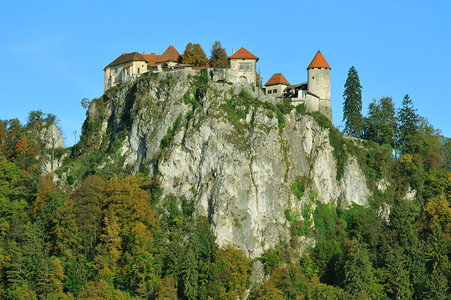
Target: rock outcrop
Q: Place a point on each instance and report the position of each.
(234, 156)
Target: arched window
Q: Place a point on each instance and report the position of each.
(242, 79)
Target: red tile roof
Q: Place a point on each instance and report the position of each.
(243, 53)
(125, 58)
(151, 58)
(318, 61)
(170, 55)
(277, 78)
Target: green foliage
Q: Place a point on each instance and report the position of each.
(321, 120)
(219, 58)
(301, 109)
(170, 134)
(340, 152)
(381, 125)
(298, 189)
(408, 127)
(352, 104)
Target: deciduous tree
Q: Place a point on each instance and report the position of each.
(194, 55)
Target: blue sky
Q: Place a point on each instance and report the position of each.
(55, 51)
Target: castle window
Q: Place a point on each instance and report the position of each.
(274, 91)
(313, 77)
(269, 92)
(244, 67)
(138, 70)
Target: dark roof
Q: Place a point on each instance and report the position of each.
(309, 93)
(125, 58)
(170, 54)
(318, 61)
(277, 78)
(302, 86)
(243, 53)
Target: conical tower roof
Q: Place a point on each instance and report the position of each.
(277, 78)
(318, 61)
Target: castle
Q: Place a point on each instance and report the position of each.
(314, 94)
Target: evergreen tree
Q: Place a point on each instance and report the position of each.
(389, 123)
(219, 58)
(397, 274)
(194, 55)
(358, 270)
(352, 104)
(381, 125)
(438, 265)
(408, 127)
(190, 275)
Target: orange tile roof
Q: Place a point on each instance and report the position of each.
(243, 53)
(318, 61)
(125, 58)
(151, 58)
(277, 78)
(170, 54)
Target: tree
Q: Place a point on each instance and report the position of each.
(381, 125)
(438, 265)
(190, 275)
(408, 127)
(397, 274)
(352, 104)
(233, 269)
(167, 290)
(359, 274)
(219, 58)
(194, 55)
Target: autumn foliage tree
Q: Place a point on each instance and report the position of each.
(194, 55)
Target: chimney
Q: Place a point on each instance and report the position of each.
(144, 52)
(233, 51)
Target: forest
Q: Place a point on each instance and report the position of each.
(110, 235)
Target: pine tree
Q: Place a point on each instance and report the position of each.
(190, 275)
(397, 274)
(219, 58)
(358, 270)
(408, 127)
(438, 265)
(352, 104)
(389, 124)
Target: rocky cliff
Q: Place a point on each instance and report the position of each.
(246, 160)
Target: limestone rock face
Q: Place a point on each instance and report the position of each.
(53, 140)
(238, 170)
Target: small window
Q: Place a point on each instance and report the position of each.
(313, 77)
(269, 92)
(274, 91)
(138, 70)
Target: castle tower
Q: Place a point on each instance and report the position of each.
(318, 86)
